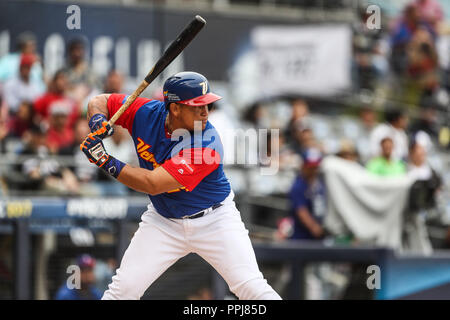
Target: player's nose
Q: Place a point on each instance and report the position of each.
(204, 111)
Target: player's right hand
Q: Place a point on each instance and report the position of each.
(100, 126)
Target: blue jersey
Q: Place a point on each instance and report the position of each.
(311, 197)
(65, 293)
(195, 161)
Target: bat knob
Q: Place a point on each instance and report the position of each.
(200, 19)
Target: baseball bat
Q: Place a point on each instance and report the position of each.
(175, 48)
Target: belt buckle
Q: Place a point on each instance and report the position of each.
(203, 212)
(193, 216)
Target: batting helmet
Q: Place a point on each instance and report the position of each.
(190, 88)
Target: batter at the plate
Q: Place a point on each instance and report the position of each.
(192, 208)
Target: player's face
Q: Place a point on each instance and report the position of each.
(190, 114)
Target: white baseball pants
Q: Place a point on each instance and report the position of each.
(219, 237)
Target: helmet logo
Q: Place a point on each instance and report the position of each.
(204, 85)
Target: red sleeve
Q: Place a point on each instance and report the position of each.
(115, 101)
(189, 167)
(39, 106)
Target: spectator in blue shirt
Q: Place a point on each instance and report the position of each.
(87, 290)
(308, 199)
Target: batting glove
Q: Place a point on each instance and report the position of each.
(95, 151)
(100, 126)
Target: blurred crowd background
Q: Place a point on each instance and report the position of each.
(394, 121)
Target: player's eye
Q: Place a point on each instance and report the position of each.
(199, 108)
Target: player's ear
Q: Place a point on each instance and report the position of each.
(175, 109)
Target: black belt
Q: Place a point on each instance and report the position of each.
(202, 213)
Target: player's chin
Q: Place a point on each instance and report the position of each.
(203, 122)
(198, 122)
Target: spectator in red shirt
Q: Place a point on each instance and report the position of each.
(22, 121)
(430, 11)
(60, 133)
(57, 92)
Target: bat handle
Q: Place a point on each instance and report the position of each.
(144, 84)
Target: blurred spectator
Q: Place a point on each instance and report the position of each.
(422, 65)
(22, 121)
(20, 88)
(367, 122)
(422, 197)
(427, 121)
(104, 271)
(347, 151)
(367, 118)
(418, 167)
(300, 110)
(113, 82)
(60, 133)
(431, 12)
(395, 126)
(385, 164)
(121, 145)
(370, 51)
(257, 117)
(287, 158)
(80, 76)
(39, 170)
(57, 92)
(414, 56)
(308, 199)
(3, 134)
(82, 169)
(304, 138)
(403, 33)
(3, 109)
(87, 290)
(9, 64)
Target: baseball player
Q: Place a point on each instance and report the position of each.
(192, 207)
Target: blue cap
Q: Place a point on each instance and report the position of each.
(189, 88)
(86, 261)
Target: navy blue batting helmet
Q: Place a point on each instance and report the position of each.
(189, 88)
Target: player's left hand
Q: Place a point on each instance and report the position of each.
(95, 151)
(100, 126)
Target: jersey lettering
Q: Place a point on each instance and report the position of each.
(142, 148)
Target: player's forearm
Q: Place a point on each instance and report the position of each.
(98, 104)
(138, 179)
